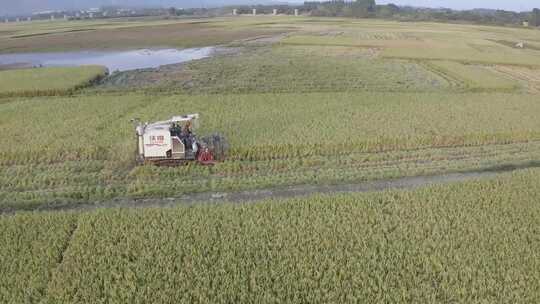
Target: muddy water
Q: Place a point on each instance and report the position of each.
(114, 61)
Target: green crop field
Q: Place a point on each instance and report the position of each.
(463, 243)
(275, 140)
(305, 103)
(48, 81)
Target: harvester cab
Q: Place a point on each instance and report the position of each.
(173, 142)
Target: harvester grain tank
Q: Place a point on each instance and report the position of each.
(173, 142)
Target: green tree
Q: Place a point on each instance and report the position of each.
(172, 11)
(535, 20)
(387, 11)
(361, 8)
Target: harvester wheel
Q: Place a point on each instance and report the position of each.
(217, 144)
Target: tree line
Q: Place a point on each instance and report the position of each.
(369, 9)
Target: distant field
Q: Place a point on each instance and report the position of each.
(276, 139)
(124, 34)
(458, 243)
(481, 53)
(434, 41)
(529, 77)
(48, 81)
(426, 41)
(293, 69)
(340, 55)
(474, 77)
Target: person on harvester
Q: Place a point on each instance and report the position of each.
(176, 130)
(187, 135)
(187, 129)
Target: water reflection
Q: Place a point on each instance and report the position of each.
(114, 61)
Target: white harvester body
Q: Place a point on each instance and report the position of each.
(160, 140)
(156, 142)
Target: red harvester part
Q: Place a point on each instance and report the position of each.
(206, 157)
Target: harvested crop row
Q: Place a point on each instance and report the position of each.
(82, 182)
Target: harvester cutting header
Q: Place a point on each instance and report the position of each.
(173, 142)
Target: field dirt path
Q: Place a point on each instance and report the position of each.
(250, 196)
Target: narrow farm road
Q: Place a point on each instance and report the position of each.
(250, 196)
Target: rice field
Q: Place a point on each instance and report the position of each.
(31, 248)
(460, 243)
(302, 101)
(276, 140)
(322, 103)
(426, 41)
(125, 34)
(48, 81)
(263, 126)
(340, 55)
(287, 69)
(475, 77)
(529, 77)
(470, 53)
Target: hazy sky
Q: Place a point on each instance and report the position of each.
(514, 5)
(25, 6)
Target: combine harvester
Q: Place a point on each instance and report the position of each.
(173, 142)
